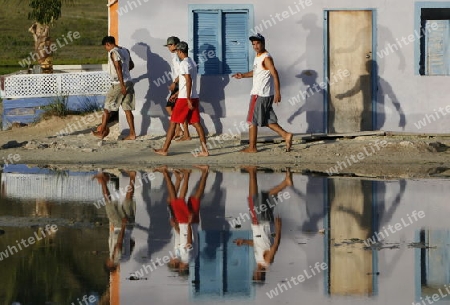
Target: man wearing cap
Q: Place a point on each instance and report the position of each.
(186, 106)
(171, 44)
(265, 92)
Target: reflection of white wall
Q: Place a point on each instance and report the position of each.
(298, 249)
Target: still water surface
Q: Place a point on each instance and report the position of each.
(242, 236)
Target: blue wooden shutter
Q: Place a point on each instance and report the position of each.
(437, 48)
(206, 35)
(235, 29)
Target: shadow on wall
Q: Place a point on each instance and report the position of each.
(385, 41)
(309, 98)
(384, 89)
(310, 101)
(212, 86)
(384, 93)
(158, 75)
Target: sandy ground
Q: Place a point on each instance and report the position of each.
(395, 156)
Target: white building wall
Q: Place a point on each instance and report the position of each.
(296, 43)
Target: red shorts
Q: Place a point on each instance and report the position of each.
(182, 113)
(182, 210)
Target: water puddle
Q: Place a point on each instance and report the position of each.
(200, 235)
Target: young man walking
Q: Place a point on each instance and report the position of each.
(265, 92)
(186, 106)
(121, 92)
(171, 44)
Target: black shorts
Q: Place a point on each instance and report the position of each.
(170, 103)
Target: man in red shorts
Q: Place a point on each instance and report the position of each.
(185, 218)
(186, 106)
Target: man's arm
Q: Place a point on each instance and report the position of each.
(269, 65)
(240, 242)
(188, 89)
(173, 84)
(118, 66)
(273, 250)
(243, 75)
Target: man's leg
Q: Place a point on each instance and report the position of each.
(285, 183)
(170, 187)
(101, 132)
(200, 188)
(170, 134)
(201, 134)
(130, 121)
(184, 135)
(253, 133)
(287, 136)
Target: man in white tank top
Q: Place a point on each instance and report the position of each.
(265, 92)
(264, 213)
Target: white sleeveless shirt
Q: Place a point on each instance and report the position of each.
(262, 79)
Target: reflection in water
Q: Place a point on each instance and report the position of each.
(121, 216)
(198, 234)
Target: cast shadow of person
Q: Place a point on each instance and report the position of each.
(214, 207)
(158, 76)
(385, 40)
(263, 206)
(212, 85)
(313, 39)
(312, 97)
(158, 234)
(383, 213)
(384, 89)
(184, 217)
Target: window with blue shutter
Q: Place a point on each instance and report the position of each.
(433, 31)
(220, 38)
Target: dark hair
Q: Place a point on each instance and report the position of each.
(108, 39)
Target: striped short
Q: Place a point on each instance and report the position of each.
(260, 111)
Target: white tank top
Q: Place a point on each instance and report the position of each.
(262, 79)
(261, 241)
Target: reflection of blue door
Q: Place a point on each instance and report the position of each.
(222, 269)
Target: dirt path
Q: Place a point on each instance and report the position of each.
(367, 156)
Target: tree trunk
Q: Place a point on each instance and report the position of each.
(42, 43)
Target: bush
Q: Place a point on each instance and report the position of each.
(58, 107)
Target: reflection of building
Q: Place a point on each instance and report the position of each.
(352, 268)
(432, 264)
(222, 269)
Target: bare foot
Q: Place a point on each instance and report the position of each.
(288, 142)
(202, 154)
(101, 177)
(161, 169)
(128, 173)
(202, 167)
(288, 178)
(160, 152)
(249, 150)
(183, 139)
(130, 137)
(178, 136)
(249, 168)
(99, 134)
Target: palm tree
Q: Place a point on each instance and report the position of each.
(44, 13)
